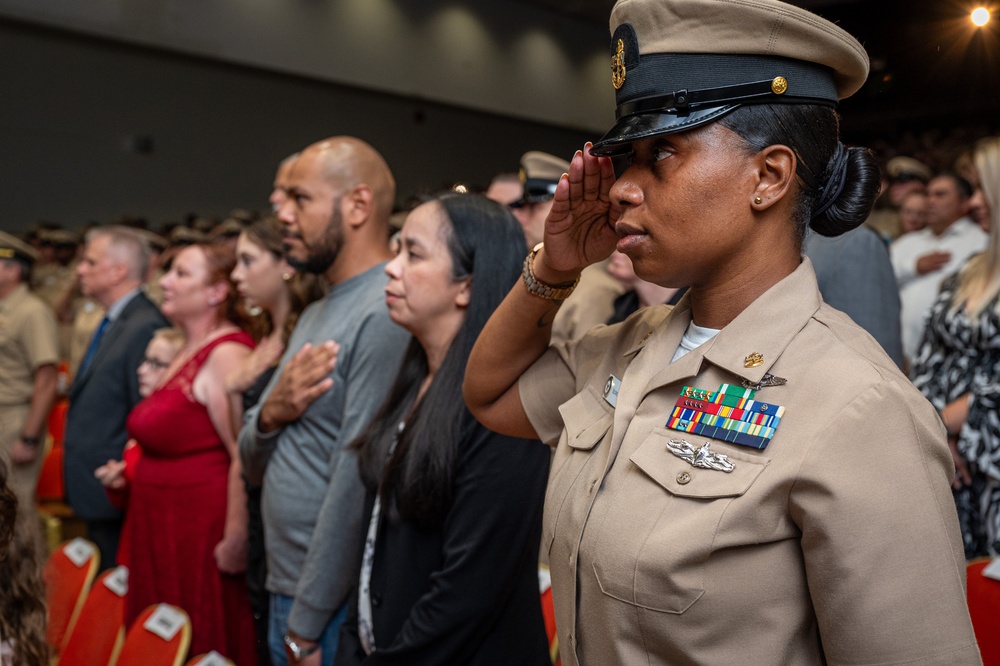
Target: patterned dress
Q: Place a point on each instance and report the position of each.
(959, 355)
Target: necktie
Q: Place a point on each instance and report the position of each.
(92, 348)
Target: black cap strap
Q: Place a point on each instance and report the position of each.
(682, 101)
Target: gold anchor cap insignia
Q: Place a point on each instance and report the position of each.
(753, 360)
(779, 85)
(618, 66)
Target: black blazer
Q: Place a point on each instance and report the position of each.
(467, 592)
(99, 402)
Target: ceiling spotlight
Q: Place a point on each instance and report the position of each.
(980, 16)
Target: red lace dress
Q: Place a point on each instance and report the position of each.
(176, 516)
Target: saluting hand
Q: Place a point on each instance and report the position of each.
(303, 380)
(580, 228)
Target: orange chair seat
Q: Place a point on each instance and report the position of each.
(984, 607)
(145, 647)
(99, 633)
(68, 574)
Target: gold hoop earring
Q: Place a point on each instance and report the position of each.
(758, 200)
(286, 276)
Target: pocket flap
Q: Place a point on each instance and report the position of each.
(587, 417)
(681, 478)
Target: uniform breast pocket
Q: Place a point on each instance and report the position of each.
(587, 419)
(663, 522)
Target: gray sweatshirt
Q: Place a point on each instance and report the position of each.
(307, 474)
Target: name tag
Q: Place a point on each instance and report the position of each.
(165, 622)
(117, 580)
(611, 388)
(213, 658)
(79, 551)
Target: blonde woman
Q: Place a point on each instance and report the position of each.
(957, 368)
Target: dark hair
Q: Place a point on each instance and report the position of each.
(22, 596)
(303, 288)
(8, 511)
(486, 243)
(837, 185)
(963, 186)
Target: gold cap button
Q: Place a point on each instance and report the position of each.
(683, 478)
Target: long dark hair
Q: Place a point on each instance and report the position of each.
(485, 243)
(22, 597)
(837, 185)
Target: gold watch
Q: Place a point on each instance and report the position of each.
(550, 292)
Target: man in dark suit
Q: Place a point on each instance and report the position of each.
(106, 386)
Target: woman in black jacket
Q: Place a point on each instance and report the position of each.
(449, 569)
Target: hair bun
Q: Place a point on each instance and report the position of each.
(853, 185)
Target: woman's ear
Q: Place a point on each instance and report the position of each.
(464, 294)
(218, 292)
(775, 167)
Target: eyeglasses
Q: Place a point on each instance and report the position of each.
(156, 364)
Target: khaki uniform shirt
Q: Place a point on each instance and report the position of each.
(838, 543)
(28, 339)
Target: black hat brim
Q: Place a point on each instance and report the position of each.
(645, 125)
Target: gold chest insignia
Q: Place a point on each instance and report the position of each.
(618, 66)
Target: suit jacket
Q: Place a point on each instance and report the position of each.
(100, 401)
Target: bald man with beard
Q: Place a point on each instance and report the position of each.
(340, 361)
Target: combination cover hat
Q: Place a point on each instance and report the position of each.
(679, 64)
(540, 173)
(901, 167)
(12, 247)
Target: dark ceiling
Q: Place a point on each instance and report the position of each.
(931, 69)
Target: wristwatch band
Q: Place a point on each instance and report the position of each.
(299, 653)
(550, 292)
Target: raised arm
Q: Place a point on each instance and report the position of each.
(578, 232)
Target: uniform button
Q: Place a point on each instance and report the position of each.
(683, 478)
(376, 600)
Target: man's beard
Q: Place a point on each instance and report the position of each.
(320, 257)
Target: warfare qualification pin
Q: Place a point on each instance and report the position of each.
(618, 66)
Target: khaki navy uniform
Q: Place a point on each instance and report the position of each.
(592, 303)
(837, 543)
(28, 340)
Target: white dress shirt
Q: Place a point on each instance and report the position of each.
(962, 239)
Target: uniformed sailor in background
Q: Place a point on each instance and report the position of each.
(29, 356)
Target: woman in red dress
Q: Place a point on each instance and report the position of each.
(187, 511)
